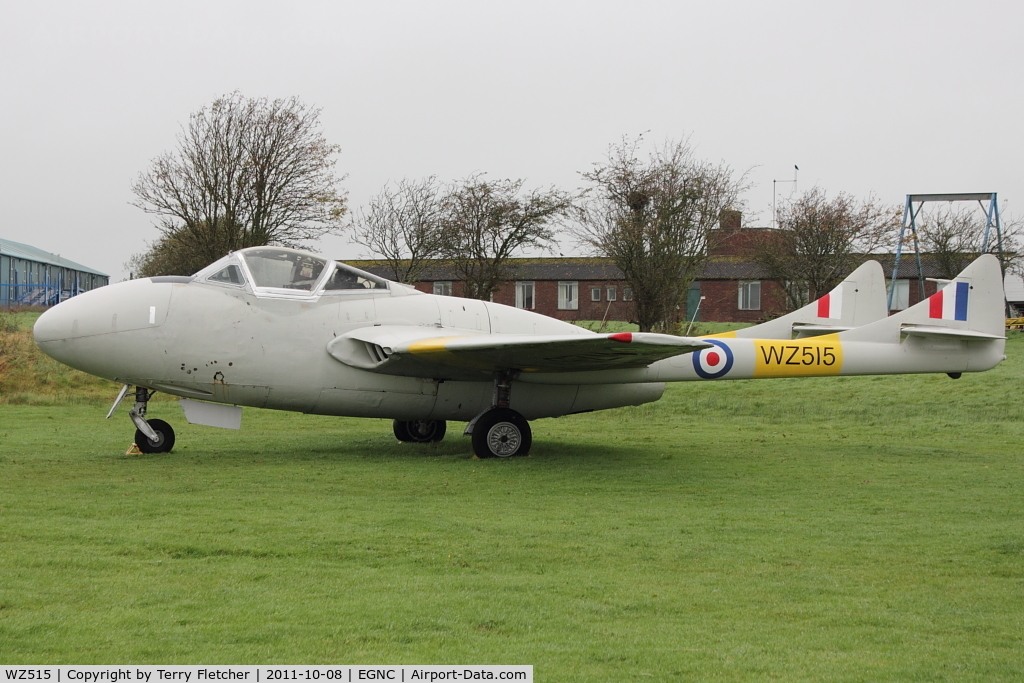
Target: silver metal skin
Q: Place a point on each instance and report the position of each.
(237, 343)
(289, 330)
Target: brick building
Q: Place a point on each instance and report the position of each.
(582, 288)
(733, 286)
(564, 288)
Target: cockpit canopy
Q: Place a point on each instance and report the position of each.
(283, 269)
(287, 272)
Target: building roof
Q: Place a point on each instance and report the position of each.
(29, 253)
(1014, 286)
(908, 265)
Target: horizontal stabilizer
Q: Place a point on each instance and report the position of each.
(858, 300)
(929, 331)
(805, 330)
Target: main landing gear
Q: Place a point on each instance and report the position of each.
(151, 436)
(420, 431)
(500, 432)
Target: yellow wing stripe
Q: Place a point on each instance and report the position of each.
(432, 345)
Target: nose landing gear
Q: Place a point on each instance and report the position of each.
(164, 441)
(151, 436)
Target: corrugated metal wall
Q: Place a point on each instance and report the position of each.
(24, 282)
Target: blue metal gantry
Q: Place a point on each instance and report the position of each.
(910, 221)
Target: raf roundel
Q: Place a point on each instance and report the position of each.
(714, 362)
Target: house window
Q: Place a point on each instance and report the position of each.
(901, 298)
(627, 293)
(750, 295)
(595, 293)
(443, 288)
(567, 297)
(612, 294)
(524, 295)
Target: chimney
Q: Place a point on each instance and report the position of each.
(728, 240)
(730, 219)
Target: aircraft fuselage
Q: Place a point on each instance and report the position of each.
(227, 345)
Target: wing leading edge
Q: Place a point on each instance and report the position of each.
(421, 352)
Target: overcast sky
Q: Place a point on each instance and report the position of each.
(868, 97)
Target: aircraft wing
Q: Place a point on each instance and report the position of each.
(423, 352)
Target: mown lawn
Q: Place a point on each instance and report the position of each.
(845, 529)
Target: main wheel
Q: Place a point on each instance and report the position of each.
(164, 438)
(501, 433)
(420, 431)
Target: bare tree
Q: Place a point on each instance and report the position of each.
(653, 217)
(955, 237)
(487, 222)
(821, 240)
(247, 172)
(170, 254)
(403, 224)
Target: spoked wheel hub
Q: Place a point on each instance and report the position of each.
(504, 439)
(501, 433)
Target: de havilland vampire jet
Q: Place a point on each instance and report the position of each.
(285, 329)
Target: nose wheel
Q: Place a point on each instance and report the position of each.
(151, 436)
(164, 441)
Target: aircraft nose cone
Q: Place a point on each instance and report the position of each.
(121, 307)
(100, 331)
(56, 324)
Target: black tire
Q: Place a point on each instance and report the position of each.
(501, 433)
(164, 442)
(420, 431)
(401, 429)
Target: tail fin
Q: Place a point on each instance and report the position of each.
(971, 306)
(858, 300)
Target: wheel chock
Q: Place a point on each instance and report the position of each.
(133, 450)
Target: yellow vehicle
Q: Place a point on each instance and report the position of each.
(1015, 323)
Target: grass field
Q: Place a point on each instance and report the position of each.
(842, 529)
(30, 377)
